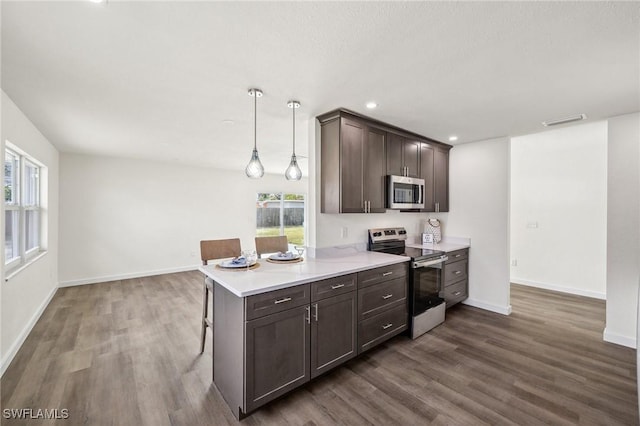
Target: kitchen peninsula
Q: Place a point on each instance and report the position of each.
(280, 325)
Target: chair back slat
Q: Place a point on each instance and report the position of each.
(271, 244)
(219, 249)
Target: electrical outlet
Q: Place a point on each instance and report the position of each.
(514, 262)
(344, 232)
(532, 225)
(192, 254)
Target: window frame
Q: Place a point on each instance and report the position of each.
(305, 212)
(20, 181)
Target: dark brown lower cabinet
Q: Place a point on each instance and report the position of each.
(277, 355)
(287, 349)
(333, 332)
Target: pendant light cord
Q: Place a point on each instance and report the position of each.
(255, 120)
(294, 128)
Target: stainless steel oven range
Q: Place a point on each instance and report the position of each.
(426, 306)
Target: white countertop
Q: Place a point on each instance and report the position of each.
(271, 276)
(443, 245)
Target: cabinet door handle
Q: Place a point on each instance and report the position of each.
(386, 274)
(384, 327)
(457, 255)
(457, 293)
(437, 207)
(368, 206)
(335, 287)
(308, 318)
(285, 299)
(315, 309)
(457, 272)
(387, 296)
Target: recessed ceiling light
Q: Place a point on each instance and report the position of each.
(228, 122)
(453, 138)
(571, 119)
(371, 105)
(98, 1)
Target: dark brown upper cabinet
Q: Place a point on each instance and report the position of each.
(357, 153)
(403, 156)
(353, 166)
(434, 169)
(441, 179)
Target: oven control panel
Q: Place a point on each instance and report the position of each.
(387, 234)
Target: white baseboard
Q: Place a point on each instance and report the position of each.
(562, 289)
(619, 339)
(17, 344)
(107, 278)
(504, 310)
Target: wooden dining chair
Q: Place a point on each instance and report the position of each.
(211, 250)
(271, 245)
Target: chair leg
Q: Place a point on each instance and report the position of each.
(205, 310)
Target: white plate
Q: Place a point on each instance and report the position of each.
(284, 257)
(230, 264)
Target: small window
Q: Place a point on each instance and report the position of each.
(280, 213)
(22, 208)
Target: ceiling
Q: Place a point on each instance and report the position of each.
(161, 80)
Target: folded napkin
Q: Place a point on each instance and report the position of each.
(287, 255)
(240, 260)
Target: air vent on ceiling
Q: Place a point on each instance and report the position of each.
(578, 117)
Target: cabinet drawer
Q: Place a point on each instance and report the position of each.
(457, 255)
(381, 327)
(276, 301)
(385, 273)
(333, 286)
(455, 292)
(377, 298)
(455, 272)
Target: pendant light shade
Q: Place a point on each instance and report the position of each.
(255, 169)
(293, 172)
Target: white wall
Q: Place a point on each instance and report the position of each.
(25, 295)
(559, 184)
(122, 218)
(479, 209)
(623, 237)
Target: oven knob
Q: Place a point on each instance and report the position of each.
(377, 234)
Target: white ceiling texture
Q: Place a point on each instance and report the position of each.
(161, 80)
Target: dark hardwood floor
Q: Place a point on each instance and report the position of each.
(126, 353)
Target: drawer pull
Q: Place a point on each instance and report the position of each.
(457, 255)
(457, 272)
(285, 299)
(384, 327)
(386, 274)
(387, 296)
(335, 287)
(457, 293)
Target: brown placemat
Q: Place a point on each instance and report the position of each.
(222, 268)
(298, 260)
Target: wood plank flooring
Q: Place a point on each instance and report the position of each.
(126, 353)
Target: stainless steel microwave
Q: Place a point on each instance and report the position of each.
(405, 192)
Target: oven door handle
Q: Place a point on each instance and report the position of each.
(426, 263)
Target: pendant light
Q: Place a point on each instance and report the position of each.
(293, 172)
(254, 169)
